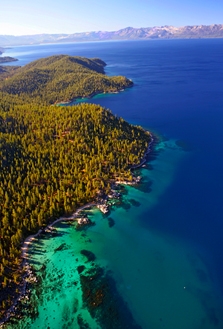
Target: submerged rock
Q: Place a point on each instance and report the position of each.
(103, 301)
(111, 222)
(81, 268)
(61, 247)
(81, 322)
(90, 256)
(135, 203)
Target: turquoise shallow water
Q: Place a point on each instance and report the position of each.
(165, 281)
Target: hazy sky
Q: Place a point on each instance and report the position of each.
(19, 17)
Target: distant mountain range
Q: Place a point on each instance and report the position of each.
(129, 33)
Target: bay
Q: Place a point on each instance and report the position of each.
(165, 249)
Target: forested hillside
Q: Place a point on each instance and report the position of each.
(6, 71)
(53, 160)
(60, 78)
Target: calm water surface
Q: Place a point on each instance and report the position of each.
(165, 250)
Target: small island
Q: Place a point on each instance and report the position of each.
(7, 59)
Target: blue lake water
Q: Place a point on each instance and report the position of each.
(165, 250)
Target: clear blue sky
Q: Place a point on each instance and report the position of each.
(19, 17)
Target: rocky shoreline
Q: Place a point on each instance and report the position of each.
(102, 205)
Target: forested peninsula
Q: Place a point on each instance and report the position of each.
(7, 59)
(61, 78)
(54, 159)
